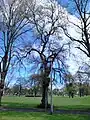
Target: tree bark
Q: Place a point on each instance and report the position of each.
(45, 85)
(2, 85)
(44, 101)
(0, 97)
(1, 94)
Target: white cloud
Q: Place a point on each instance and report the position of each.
(77, 56)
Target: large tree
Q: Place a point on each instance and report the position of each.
(48, 47)
(81, 23)
(12, 26)
(79, 28)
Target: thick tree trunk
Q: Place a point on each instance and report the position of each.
(45, 85)
(44, 101)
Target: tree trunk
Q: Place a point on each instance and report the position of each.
(2, 86)
(45, 85)
(35, 93)
(80, 93)
(1, 94)
(0, 97)
(3, 73)
(44, 101)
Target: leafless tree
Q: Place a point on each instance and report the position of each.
(81, 24)
(12, 26)
(47, 20)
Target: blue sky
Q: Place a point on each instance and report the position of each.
(22, 72)
(63, 1)
(68, 4)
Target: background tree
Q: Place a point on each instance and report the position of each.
(35, 81)
(82, 79)
(70, 84)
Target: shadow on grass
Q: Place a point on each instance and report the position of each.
(40, 116)
(27, 106)
(18, 105)
(73, 107)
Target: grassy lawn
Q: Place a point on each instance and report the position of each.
(59, 102)
(72, 103)
(25, 102)
(39, 116)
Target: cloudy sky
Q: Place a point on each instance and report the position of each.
(76, 57)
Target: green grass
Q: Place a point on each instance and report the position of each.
(40, 116)
(59, 102)
(72, 103)
(13, 101)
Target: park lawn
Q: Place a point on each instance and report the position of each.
(59, 102)
(40, 116)
(26, 102)
(72, 103)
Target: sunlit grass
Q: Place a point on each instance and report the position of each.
(59, 102)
